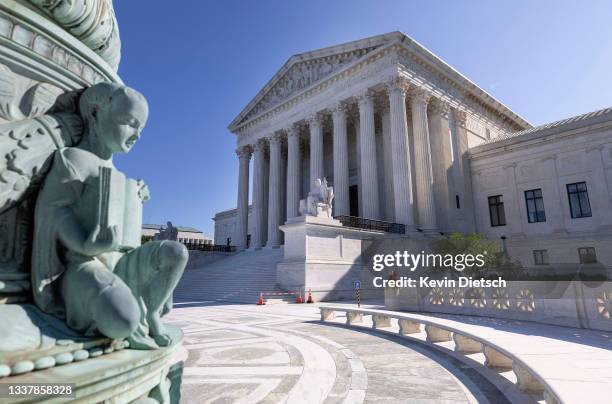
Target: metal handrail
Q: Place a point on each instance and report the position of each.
(210, 247)
(371, 224)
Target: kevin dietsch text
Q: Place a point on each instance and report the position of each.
(427, 282)
(409, 261)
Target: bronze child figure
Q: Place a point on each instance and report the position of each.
(84, 269)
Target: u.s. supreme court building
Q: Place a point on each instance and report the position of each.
(406, 139)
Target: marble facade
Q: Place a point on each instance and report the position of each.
(363, 114)
(403, 138)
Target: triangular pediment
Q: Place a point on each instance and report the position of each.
(306, 69)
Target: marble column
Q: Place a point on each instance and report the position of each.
(341, 170)
(367, 151)
(441, 161)
(266, 184)
(283, 187)
(402, 177)
(316, 148)
(389, 215)
(356, 130)
(462, 168)
(422, 162)
(242, 206)
(294, 163)
(258, 195)
(274, 192)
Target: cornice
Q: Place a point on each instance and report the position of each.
(538, 137)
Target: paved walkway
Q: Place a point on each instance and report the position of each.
(283, 354)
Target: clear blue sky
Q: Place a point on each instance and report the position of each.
(199, 63)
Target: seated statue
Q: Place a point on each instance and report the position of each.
(169, 233)
(83, 270)
(319, 200)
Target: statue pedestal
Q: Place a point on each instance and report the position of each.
(323, 256)
(41, 349)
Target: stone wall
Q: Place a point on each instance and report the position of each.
(572, 304)
(549, 159)
(225, 226)
(198, 259)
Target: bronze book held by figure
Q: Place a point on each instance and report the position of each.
(120, 205)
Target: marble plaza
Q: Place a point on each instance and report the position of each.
(243, 354)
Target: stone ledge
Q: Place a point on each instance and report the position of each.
(540, 362)
(120, 376)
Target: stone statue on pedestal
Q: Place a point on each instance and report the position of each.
(169, 233)
(88, 268)
(76, 285)
(319, 200)
(87, 265)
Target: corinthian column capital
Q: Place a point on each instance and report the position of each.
(420, 97)
(440, 107)
(259, 145)
(244, 152)
(314, 120)
(397, 85)
(276, 138)
(339, 110)
(460, 117)
(365, 98)
(292, 131)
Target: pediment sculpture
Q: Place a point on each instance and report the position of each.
(302, 75)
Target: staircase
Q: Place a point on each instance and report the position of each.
(238, 278)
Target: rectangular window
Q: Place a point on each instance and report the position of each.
(587, 255)
(457, 202)
(579, 200)
(535, 206)
(540, 257)
(496, 211)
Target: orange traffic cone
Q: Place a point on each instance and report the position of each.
(309, 296)
(299, 297)
(261, 300)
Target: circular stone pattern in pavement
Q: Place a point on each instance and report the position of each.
(243, 353)
(282, 353)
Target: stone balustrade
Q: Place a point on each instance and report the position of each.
(538, 361)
